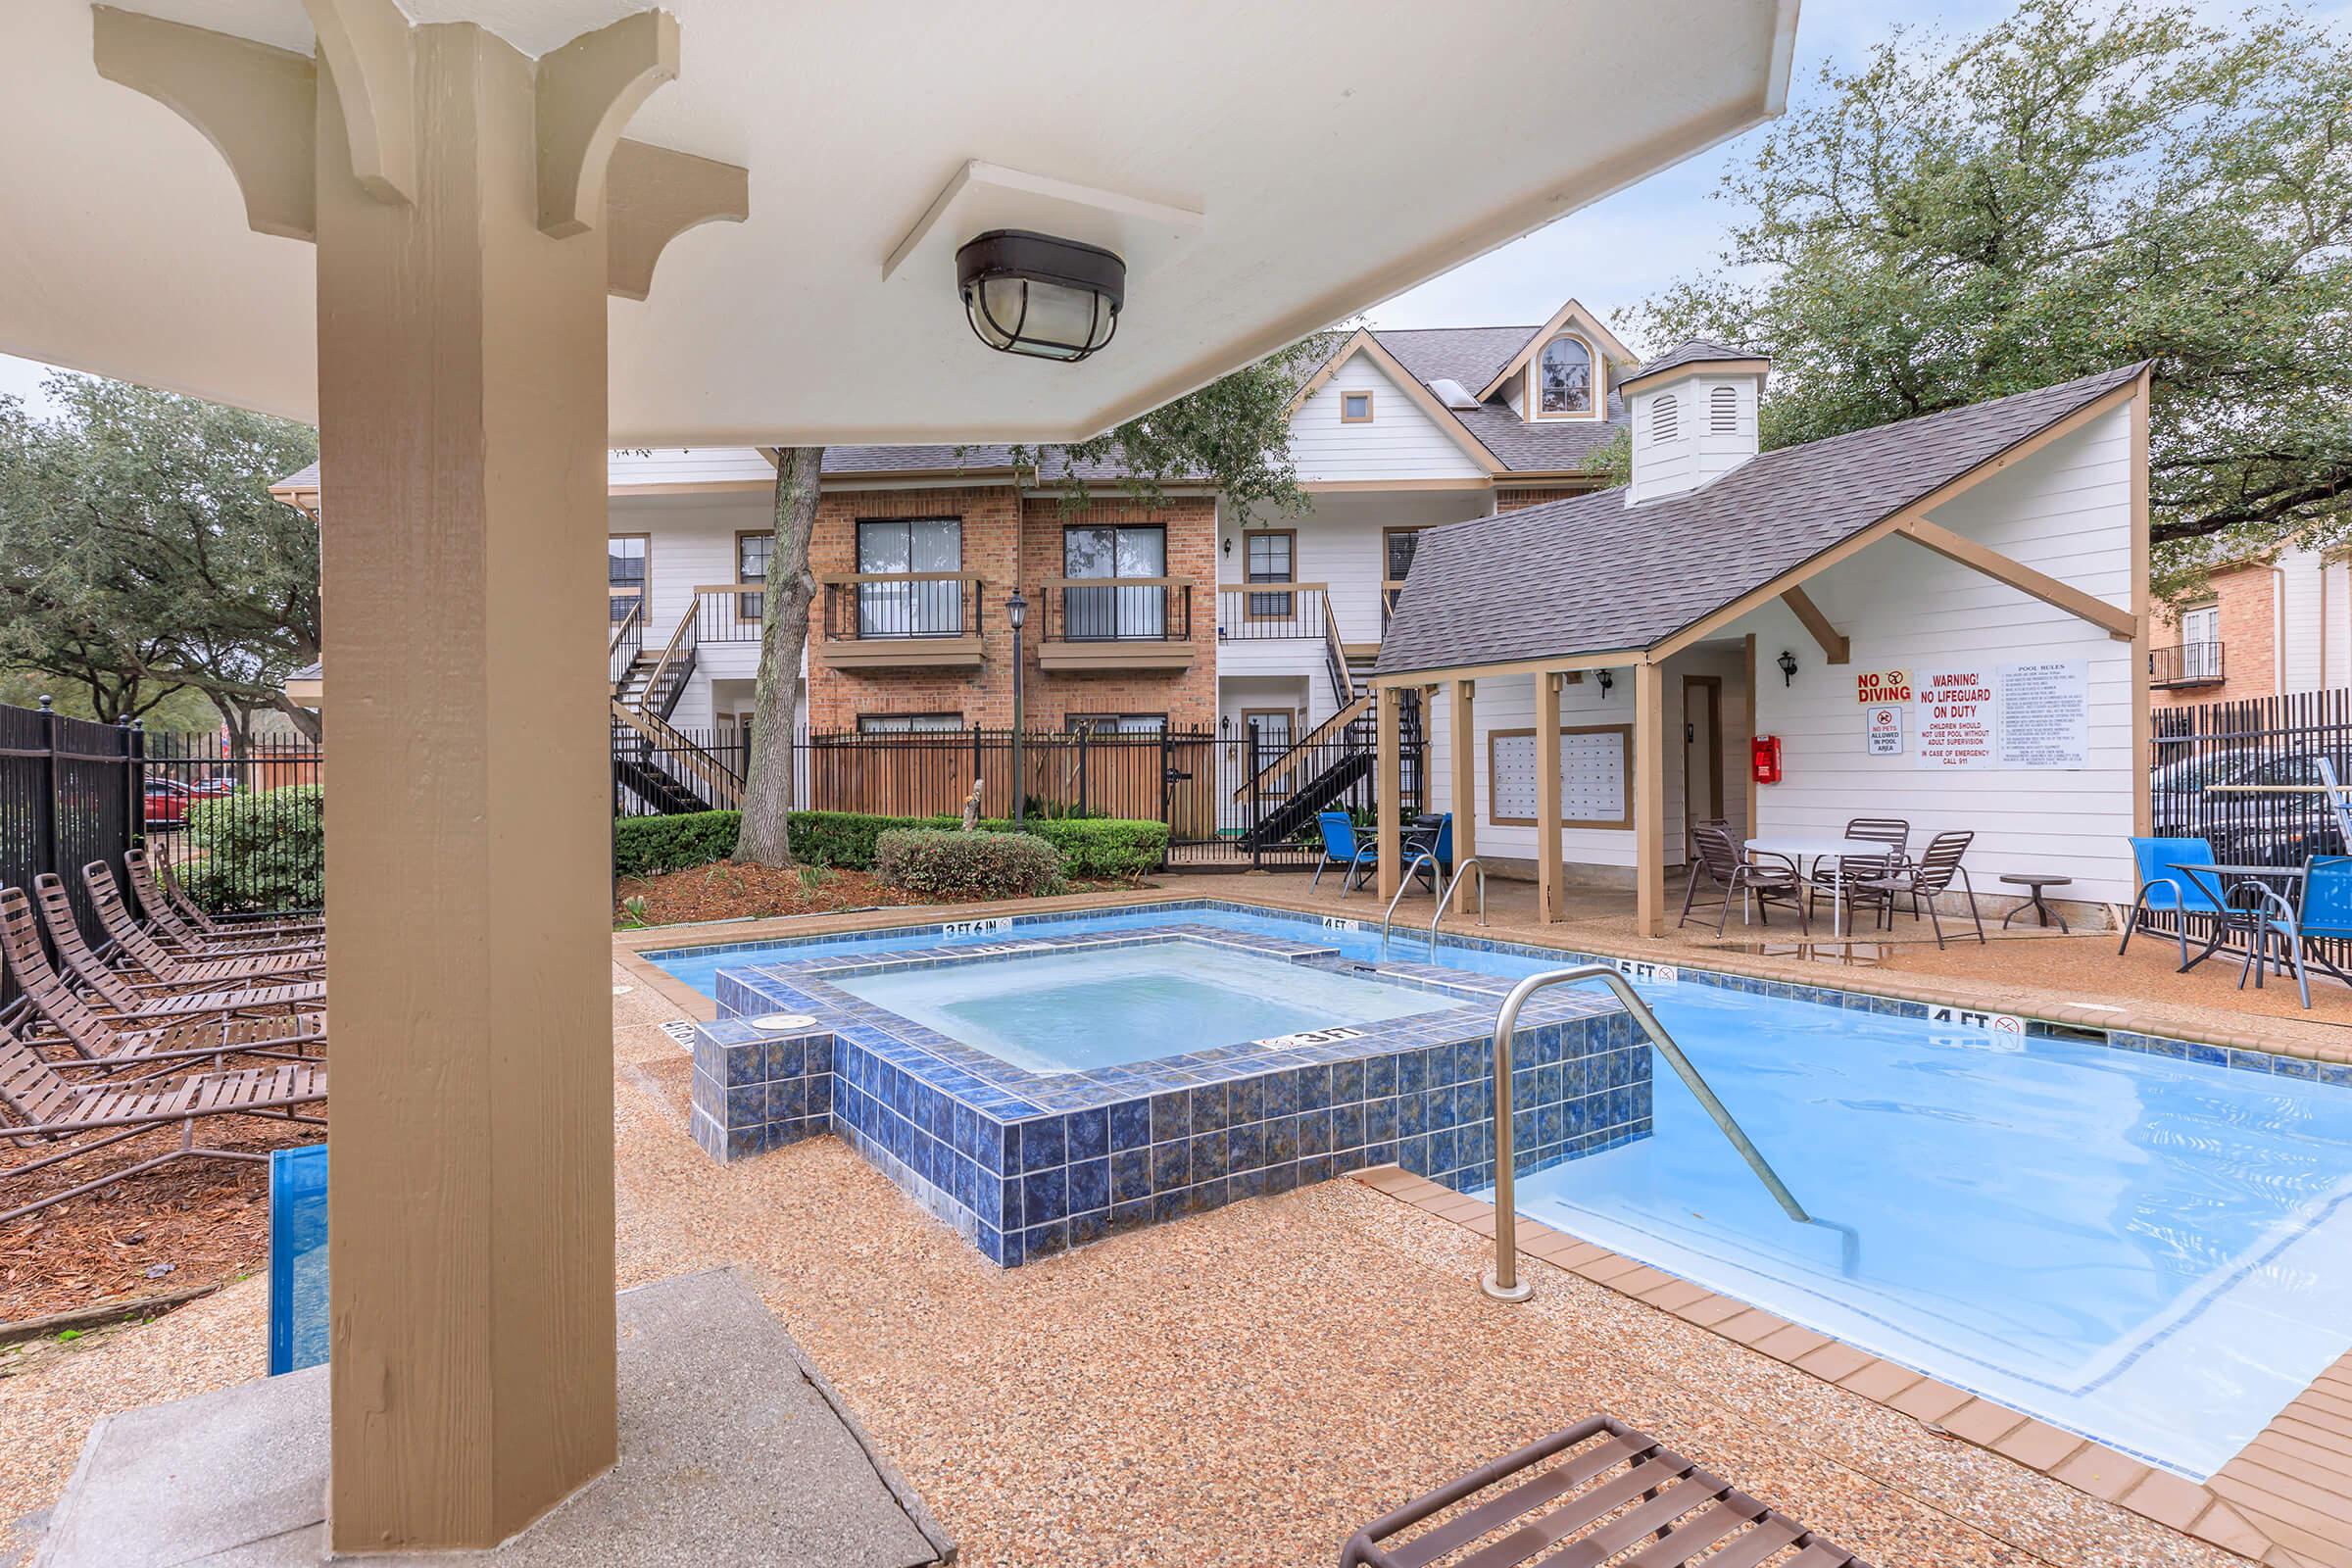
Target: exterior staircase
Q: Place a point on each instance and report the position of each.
(659, 763)
(1321, 767)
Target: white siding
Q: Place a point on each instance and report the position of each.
(666, 466)
(691, 543)
(1692, 451)
(1401, 443)
(2299, 621)
(2064, 511)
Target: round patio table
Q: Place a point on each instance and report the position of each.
(2033, 882)
(2243, 917)
(1822, 847)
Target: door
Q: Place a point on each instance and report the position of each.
(2201, 643)
(1702, 753)
(1097, 614)
(932, 609)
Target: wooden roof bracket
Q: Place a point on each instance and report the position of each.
(2120, 624)
(259, 107)
(1835, 648)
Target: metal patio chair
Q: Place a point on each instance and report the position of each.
(1737, 872)
(2322, 913)
(1921, 882)
(51, 1103)
(2163, 890)
(1598, 1491)
(1850, 871)
(1343, 846)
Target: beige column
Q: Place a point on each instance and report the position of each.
(1465, 774)
(1387, 786)
(1650, 800)
(461, 415)
(1551, 893)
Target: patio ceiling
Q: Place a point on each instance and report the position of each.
(1335, 154)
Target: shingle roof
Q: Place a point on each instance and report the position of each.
(1592, 574)
(1693, 352)
(298, 479)
(1472, 354)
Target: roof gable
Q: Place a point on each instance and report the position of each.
(1594, 575)
(1571, 317)
(1364, 343)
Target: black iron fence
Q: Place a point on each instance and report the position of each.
(1231, 801)
(73, 791)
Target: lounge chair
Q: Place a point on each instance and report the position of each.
(1722, 861)
(166, 902)
(136, 946)
(1921, 881)
(54, 997)
(175, 937)
(1608, 1490)
(48, 1102)
(2165, 890)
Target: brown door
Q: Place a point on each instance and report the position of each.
(1702, 752)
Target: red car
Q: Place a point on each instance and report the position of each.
(168, 803)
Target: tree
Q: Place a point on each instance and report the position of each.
(141, 554)
(1234, 434)
(2081, 186)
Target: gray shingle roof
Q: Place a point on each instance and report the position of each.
(1693, 352)
(1593, 575)
(300, 479)
(1472, 354)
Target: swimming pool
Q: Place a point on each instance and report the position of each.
(2144, 1247)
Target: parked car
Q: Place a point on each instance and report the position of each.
(167, 801)
(2248, 827)
(212, 788)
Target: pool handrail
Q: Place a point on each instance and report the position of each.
(1445, 899)
(1421, 857)
(1503, 1280)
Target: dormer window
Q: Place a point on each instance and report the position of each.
(1562, 379)
(1355, 407)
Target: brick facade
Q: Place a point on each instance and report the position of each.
(2247, 598)
(1001, 530)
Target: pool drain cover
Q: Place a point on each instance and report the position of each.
(785, 1020)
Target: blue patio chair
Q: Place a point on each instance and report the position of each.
(1437, 844)
(2325, 911)
(1341, 847)
(2165, 890)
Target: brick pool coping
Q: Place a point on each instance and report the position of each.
(2285, 1498)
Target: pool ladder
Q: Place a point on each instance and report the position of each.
(1503, 1281)
(1445, 899)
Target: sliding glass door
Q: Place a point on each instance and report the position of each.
(1110, 611)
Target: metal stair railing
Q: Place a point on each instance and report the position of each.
(1503, 1280)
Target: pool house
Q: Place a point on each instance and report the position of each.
(1942, 622)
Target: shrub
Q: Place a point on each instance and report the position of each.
(259, 850)
(938, 862)
(1092, 849)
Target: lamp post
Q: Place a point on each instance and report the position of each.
(1016, 611)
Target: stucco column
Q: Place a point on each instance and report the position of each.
(1551, 894)
(462, 438)
(1387, 786)
(1650, 800)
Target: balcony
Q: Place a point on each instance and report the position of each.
(2185, 665)
(900, 620)
(1092, 624)
(1269, 611)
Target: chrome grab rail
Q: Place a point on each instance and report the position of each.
(1446, 900)
(1503, 1281)
(1404, 885)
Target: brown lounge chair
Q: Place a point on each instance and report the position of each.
(48, 1102)
(176, 937)
(51, 995)
(168, 905)
(1610, 1489)
(137, 949)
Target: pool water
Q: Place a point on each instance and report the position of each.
(1080, 1012)
(2151, 1252)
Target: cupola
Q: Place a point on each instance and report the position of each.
(1693, 416)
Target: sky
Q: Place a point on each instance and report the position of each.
(1620, 251)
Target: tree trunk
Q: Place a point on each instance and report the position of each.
(783, 639)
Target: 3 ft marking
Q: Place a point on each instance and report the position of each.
(1660, 974)
(1310, 1037)
(1999, 1023)
(965, 928)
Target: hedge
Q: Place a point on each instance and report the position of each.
(1092, 849)
(950, 863)
(262, 850)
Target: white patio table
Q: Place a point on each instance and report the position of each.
(1798, 847)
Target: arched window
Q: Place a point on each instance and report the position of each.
(1665, 418)
(1564, 378)
(1723, 411)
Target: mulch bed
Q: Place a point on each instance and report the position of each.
(726, 891)
(192, 1223)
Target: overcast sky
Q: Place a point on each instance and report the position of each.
(1617, 252)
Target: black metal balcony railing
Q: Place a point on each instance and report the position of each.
(1119, 609)
(729, 613)
(872, 606)
(2185, 665)
(1250, 612)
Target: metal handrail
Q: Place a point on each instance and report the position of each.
(1445, 899)
(1405, 884)
(1503, 1281)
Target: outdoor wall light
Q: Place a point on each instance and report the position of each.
(1788, 667)
(1051, 299)
(1605, 681)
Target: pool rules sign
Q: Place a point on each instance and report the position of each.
(2028, 715)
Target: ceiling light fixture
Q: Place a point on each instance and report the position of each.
(1032, 294)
